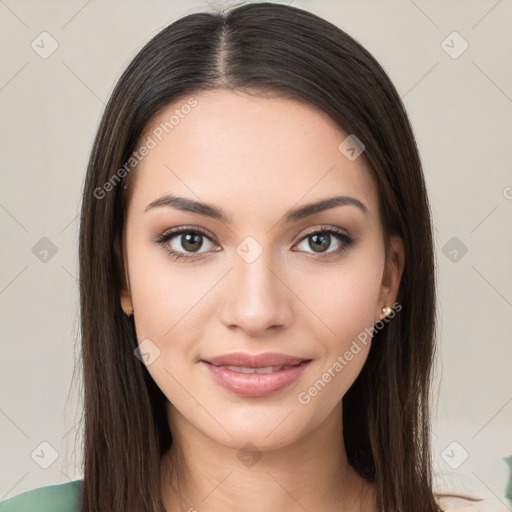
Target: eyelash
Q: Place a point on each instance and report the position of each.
(162, 239)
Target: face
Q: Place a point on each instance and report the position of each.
(255, 280)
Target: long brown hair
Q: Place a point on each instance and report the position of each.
(281, 50)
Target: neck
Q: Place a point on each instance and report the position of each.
(311, 474)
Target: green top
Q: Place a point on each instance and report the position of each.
(67, 498)
(52, 498)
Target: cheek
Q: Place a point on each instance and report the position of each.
(344, 304)
(159, 294)
(158, 288)
(167, 302)
(344, 297)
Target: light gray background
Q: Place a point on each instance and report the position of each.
(461, 111)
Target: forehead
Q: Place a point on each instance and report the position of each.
(247, 153)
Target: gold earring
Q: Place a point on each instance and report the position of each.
(386, 311)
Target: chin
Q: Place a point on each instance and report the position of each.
(248, 439)
(267, 429)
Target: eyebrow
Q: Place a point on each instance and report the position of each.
(190, 205)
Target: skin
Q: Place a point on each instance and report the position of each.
(256, 157)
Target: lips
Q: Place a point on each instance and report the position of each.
(255, 375)
(266, 360)
(248, 369)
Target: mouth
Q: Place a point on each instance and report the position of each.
(248, 369)
(255, 375)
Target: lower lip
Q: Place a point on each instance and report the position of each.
(255, 384)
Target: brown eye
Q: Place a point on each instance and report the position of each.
(321, 240)
(191, 241)
(319, 243)
(183, 242)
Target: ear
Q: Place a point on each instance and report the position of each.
(125, 293)
(391, 276)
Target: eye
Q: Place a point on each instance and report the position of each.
(187, 239)
(190, 239)
(321, 239)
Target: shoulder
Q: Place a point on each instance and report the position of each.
(452, 503)
(52, 498)
(464, 492)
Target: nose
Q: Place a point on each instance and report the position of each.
(256, 297)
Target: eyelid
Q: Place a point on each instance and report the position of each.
(323, 228)
(181, 229)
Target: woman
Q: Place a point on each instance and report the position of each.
(287, 364)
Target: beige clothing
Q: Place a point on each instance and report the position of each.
(468, 485)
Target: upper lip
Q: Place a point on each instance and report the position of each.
(254, 360)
